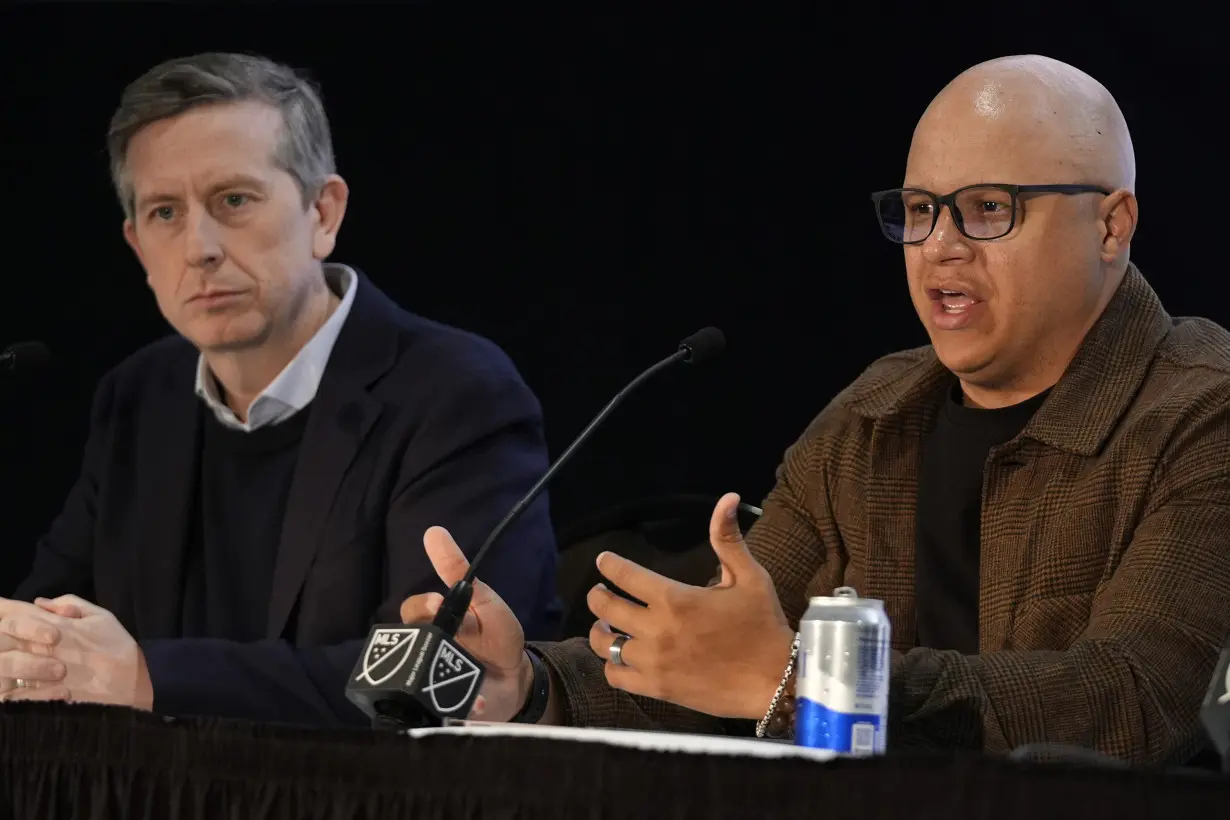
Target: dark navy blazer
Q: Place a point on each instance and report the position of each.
(415, 424)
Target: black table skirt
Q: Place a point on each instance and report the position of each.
(75, 761)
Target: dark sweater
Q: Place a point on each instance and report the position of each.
(243, 486)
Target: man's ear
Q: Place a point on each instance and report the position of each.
(1118, 216)
(329, 208)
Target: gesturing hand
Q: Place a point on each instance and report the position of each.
(720, 650)
(490, 631)
(79, 647)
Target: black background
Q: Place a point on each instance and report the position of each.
(584, 188)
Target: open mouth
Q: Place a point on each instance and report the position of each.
(952, 301)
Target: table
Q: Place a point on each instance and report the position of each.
(62, 761)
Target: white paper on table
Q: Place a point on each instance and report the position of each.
(648, 741)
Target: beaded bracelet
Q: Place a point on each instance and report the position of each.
(780, 720)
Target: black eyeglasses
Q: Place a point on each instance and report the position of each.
(987, 211)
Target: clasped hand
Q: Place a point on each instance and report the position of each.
(69, 649)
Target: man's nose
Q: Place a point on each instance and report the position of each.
(946, 242)
(203, 248)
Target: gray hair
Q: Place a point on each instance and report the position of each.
(305, 150)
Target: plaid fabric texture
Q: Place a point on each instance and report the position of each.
(1105, 555)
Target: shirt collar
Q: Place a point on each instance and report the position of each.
(295, 387)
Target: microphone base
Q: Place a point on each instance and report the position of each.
(380, 723)
(397, 716)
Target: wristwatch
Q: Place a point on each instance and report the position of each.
(540, 690)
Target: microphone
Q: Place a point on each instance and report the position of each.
(1215, 710)
(416, 675)
(25, 357)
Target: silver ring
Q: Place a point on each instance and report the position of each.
(616, 652)
(19, 683)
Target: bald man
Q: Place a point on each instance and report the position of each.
(1041, 497)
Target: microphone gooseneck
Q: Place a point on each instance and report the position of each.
(418, 674)
(700, 347)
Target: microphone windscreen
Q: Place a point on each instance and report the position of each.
(703, 345)
(28, 356)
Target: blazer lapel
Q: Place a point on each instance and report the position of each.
(343, 414)
(169, 446)
(339, 424)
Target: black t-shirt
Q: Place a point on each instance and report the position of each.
(243, 487)
(948, 517)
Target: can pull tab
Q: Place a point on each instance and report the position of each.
(845, 592)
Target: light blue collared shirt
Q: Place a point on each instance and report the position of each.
(296, 386)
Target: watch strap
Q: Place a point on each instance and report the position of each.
(535, 705)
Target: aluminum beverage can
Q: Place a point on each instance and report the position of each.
(841, 688)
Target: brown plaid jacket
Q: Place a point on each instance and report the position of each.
(1105, 568)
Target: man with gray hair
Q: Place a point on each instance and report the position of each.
(255, 488)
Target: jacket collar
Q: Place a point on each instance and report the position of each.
(1085, 405)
